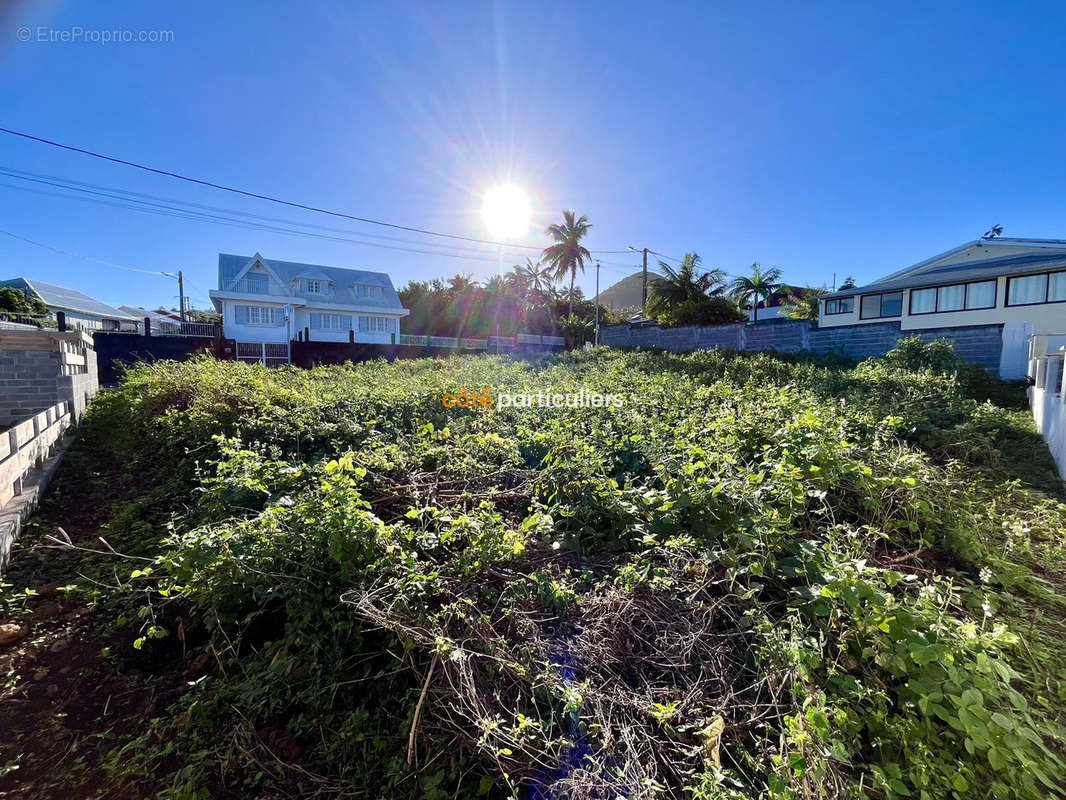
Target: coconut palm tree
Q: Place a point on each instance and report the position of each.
(567, 255)
(755, 287)
(535, 278)
(683, 284)
(805, 306)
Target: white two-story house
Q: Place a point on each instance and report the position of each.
(268, 302)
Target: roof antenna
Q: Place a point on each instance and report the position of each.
(993, 232)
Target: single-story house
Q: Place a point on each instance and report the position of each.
(773, 307)
(81, 311)
(160, 319)
(1019, 284)
(269, 302)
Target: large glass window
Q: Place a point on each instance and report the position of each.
(874, 306)
(981, 294)
(923, 301)
(956, 297)
(871, 306)
(1056, 292)
(951, 298)
(1027, 290)
(840, 305)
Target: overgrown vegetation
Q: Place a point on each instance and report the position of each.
(763, 576)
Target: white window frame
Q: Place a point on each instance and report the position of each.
(334, 322)
(264, 315)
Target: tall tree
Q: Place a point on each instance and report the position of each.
(568, 255)
(804, 305)
(686, 283)
(755, 287)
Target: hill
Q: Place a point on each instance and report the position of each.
(626, 293)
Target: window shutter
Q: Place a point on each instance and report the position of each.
(346, 322)
(279, 317)
(364, 323)
(316, 320)
(240, 314)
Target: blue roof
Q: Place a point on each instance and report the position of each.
(343, 280)
(64, 299)
(983, 269)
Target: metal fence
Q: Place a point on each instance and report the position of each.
(13, 319)
(270, 354)
(493, 342)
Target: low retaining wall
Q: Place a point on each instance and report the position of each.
(978, 344)
(28, 455)
(39, 368)
(1047, 395)
(312, 354)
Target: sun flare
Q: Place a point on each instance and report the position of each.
(507, 212)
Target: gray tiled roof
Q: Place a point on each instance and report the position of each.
(344, 280)
(966, 271)
(66, 299)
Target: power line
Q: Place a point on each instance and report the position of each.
(141, 197)
(61, 251)
(269, 198)
(151, 208)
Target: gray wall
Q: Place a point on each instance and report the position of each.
(978, 344)
(38, 368)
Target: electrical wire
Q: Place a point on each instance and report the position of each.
(90, 188)
(61, 251)
(266, 197)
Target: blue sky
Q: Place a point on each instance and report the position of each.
(818, 137)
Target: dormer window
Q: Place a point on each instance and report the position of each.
(365, 290)
(314, 287)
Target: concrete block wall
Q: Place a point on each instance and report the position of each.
(786, 337)
(856, 341)
(40, 368)
(978, 344)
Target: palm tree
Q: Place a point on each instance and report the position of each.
(805, 306)
(567, 255)
(535, 277)
(683, 284)
(755, 287)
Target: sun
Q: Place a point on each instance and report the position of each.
(507, 212)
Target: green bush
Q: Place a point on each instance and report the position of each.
(761, 577)
(702, 311)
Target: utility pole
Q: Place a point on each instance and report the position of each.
(644, 288)
(596, 328)
(181, 296)
(644, 281)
